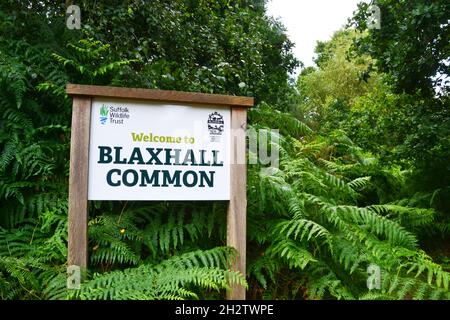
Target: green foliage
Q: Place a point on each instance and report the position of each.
(407, 132)
(327, 240)
(412, 44)
(85, 62)
(412, 49)
(205, 46)
(172, 279)
(33, 257)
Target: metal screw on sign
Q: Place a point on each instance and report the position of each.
(74, 17)
(374, 18)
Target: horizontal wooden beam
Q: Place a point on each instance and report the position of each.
(158, 95)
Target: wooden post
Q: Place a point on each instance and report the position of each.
(78, 182)
(237, 208)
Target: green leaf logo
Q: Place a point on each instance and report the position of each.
(104, 111)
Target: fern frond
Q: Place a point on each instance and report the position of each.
(359, 183)
(295, 255)
(168, 280)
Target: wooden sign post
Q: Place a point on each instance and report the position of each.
(86, 98)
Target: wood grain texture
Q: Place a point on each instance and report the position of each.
(237, 208)
(158, 95)
(78, 182)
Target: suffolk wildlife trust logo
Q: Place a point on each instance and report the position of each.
(113, 115)
(104, 114)
(215, 126)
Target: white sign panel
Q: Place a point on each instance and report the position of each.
(158, 151)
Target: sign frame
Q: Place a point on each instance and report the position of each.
(83, 96)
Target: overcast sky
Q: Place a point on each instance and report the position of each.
(310, 20)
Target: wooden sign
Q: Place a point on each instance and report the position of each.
(144, 150)
(142, 144)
